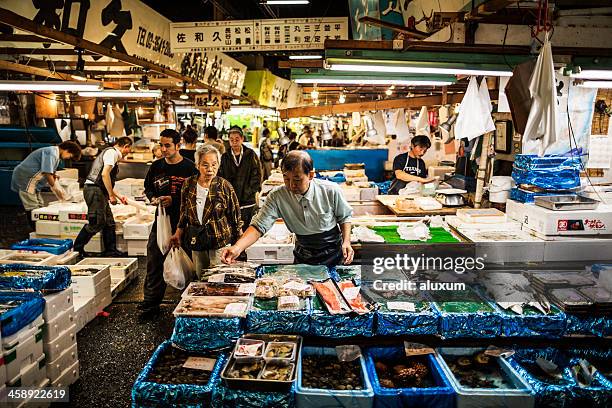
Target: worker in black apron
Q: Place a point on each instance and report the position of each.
(315, 210)
(408, 167)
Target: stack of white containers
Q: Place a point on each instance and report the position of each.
(23, 358)
(91, 285)
(122, 271)
(275, 247)
(60, 341)
(136, 229)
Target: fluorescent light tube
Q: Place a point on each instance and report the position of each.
(179, 109)
(370, 82)
(592, 74)
(56, 86)
(123, 94)
(596, 84)
(285, 2)
(305, 57)
(417, 70)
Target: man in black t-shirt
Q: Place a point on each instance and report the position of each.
(163, 185)
(409, 166)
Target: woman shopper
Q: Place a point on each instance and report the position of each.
(210, 212)
(266, 155)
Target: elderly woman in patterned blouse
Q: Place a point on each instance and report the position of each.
(210, 212)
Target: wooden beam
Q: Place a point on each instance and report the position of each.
(71, 64)
(22, 23)
(300, 64)
(416, 102)
(487, 8)
(45, 73)
(395, 27)
(25, 38)
(40, 51)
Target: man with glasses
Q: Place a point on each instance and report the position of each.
(163, 185)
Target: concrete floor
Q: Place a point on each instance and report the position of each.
(113, 349)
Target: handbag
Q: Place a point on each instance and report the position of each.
(199, 239)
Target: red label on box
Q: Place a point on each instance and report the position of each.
(48, 217)
(77, 216)
(594, 224)
(562, 225)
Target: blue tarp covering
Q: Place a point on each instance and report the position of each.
(148, 394)
(549, 326)
(224, 397)
(53, 246)
(44, 278)
(324, 324)
(524, 196)
(335, 159)
(548, 172)
(30, 305)
(585, 325)
(441, 395)
(264, 321)
(206, 333)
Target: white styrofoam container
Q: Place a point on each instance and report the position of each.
(20, 257)
(351, 193)
(584, 222)
(86, 285)
(368, 194)
(119, 267)
(57, 303)
(64, 341)
(263, 253)
(30, 403)
(121, 243)
(9, 342)
(595, 248)
(23, 354)
(505, 246)
(84, 311)
(48, 213)
(57, 367)
(54, 328)
(137, 247)
(70, 228)
(117, 286)
(100, 302)
(68, 173)
(138, 228)
(455, 222)
(67, 258)
(481, 215)
(73, 212)
(31, 374)
(48, 228)
(131, 187)
(68, 377)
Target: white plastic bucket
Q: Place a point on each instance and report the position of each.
(499, 189)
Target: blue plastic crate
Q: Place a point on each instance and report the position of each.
(206, 333)
(310, 397)
(275, 321)
(30, 305)
(46, 278)
(53, 246)
(225, 397)
(520, 396)
(550, 326)
(442, 395)
(152, 394)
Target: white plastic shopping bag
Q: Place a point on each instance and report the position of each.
(474, 115)
(178, 268)
(164, 230)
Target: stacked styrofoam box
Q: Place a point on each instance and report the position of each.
(120, 268)
(60, 342)
(23, 358)
(136, 231)
(130, 187)
(266, 251)
(23, 257)
(96, 286)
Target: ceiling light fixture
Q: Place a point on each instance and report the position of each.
(111, 93)
(285, 2)
(314, 94)
(596, 84)
(389, 92)
(56, 86)
(342, 98)
(305, 57)
(357, 81)
(403, 69)
(592, 74)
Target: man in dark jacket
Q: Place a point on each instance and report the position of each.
(241, 167)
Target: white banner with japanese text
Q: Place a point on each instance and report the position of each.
(257, 35)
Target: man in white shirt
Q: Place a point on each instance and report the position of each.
(98, 192)
(315, 210)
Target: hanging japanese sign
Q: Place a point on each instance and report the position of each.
(271, 90)
(130, 27)
(257, 35)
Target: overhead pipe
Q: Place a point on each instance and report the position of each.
(598, 11)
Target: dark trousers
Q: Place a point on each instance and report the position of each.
(245, 215)
(154, 284)
(100, 218)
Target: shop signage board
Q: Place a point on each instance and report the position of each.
(257, 35)
(131, 27)
(271, 90)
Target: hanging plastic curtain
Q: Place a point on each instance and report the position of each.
(542, 116)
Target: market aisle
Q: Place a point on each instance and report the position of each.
(114, 349)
